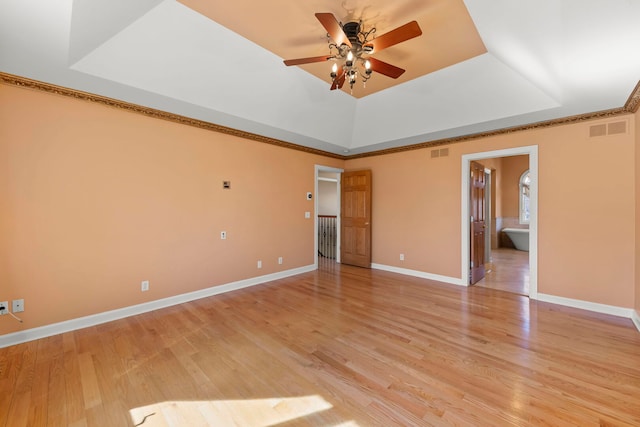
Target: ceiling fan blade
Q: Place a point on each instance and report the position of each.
(339, 80)
(309, 60)
(386, 69)
(399, 35)
(331, 24)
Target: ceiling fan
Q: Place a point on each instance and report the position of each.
(351, 46)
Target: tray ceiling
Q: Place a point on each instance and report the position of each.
(478, 66)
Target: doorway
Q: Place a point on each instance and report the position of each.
(327, 215)
(532, 152)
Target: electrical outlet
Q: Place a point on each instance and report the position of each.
(279, 260)
(18, 305)
(4, 307)
(259, 264)
(144, 285)
(223, 235)
(401, 257)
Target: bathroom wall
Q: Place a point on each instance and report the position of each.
(509, 190)
(511, 169)
(506, 192)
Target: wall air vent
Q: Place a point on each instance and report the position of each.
(442, 152)
(597, 130)
(612, 128)
(617, 127)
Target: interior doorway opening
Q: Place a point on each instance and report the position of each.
(327, 215)
(518, 269)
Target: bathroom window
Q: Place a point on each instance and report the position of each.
(525, 182)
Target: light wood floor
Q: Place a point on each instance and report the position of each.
(509, 271)
(341, 347)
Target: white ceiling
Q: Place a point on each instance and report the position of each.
(545, 59)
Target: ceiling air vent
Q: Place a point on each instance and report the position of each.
(612, 128)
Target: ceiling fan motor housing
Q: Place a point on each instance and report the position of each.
(352, 31)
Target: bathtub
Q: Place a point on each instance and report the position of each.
(519, 237)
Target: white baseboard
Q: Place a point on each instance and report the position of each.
(421, 274)
(569, 302)
(108, 316)
(586, 305)
(635, 317)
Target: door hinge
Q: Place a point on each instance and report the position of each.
(471, 264)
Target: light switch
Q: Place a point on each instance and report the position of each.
(307, 215)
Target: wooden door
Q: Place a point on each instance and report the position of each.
(477, 217)
(355, 237)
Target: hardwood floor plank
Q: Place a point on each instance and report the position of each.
(344, 346)
(74, 398)
(56, 392)
(18, 415)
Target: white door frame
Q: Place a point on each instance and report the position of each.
(532, 151)
(320, 168)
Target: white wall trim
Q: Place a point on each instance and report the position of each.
(421, 274)
(587, 305)
(635, 317)
(108, 316)
(532, 151)
(568, 302)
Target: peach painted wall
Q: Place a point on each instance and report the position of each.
(586, 226)
(97, 199)
(511, 168)
(637, 189)
(415, 209)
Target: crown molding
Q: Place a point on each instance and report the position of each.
(24, 82)
(633, 102)
(630, 107)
